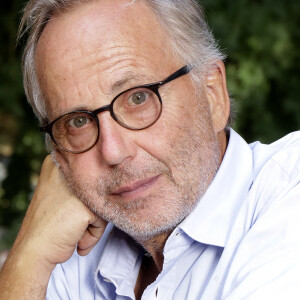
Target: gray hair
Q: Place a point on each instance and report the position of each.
(183, 21)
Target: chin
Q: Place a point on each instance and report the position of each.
(143, 219)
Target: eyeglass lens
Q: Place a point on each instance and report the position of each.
(134, 109)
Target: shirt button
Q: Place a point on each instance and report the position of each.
(156, 293)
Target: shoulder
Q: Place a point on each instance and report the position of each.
(283, 155)
(276, 176)
(267, 240)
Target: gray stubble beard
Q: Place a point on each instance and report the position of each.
(197, 160)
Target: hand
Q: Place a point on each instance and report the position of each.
(56, 221)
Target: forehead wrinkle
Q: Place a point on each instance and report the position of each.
(83, 54)
(75, 86)
(128, 79)
(111, 60)
(102, 57)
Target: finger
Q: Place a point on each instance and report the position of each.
(85, 251)
(91, 237)
(86, 244)
(97, 227)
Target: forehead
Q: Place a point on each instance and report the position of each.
(92, 48)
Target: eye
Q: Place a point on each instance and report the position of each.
(138, 98)
(79, 121)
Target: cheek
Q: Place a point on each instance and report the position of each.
(81, 167)
(163, 141)
(175, 122)
(182, 137)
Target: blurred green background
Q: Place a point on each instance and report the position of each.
(261, 39)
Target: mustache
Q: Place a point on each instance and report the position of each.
(119, 176)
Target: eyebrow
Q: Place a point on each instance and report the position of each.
(129, 76)
(61, 112)
(116, 87)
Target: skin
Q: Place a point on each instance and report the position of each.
(47, 237)
(152, 178)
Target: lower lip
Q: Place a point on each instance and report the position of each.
(140, 191)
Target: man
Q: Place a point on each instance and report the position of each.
(159, 198)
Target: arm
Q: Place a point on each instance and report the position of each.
(55, 222)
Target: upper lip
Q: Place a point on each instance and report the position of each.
(133, 186)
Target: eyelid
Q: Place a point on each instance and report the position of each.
(75, 110)
(73, 119)
(137, 90)
(128, 94)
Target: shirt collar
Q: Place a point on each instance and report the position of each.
(119, 269)
(211, 220)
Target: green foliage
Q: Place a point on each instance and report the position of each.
(261, 39)
(21, 144)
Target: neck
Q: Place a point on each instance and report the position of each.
(155, 247)
(223, 143)
(152, 265)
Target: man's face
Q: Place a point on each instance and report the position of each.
(148, 181)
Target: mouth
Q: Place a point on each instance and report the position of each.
(136, 188)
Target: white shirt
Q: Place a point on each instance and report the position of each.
(242, 241)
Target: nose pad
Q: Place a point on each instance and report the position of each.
(114, 143)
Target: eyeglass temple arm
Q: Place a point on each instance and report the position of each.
(45, 128)
(184, 70)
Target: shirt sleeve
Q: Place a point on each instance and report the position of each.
(63, 283)
(267, 261)
(75, 279)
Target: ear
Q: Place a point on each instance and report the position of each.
(217, 96)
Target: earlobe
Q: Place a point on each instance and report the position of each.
(217, 95)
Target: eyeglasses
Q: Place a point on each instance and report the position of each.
(136, 108)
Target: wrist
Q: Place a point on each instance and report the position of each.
(29, 255)
(24, 275)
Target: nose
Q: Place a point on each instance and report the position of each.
(115, 143)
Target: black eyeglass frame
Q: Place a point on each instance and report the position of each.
(93, 114)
